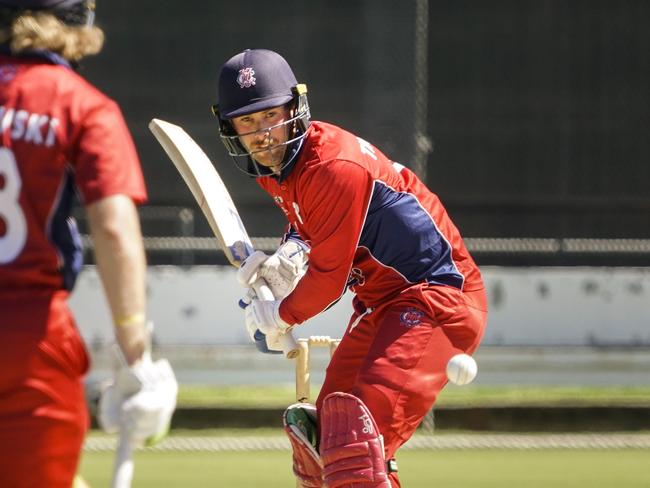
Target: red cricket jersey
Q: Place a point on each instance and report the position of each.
(371, 223)
(59, 136)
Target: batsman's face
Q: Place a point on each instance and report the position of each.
(263, 134)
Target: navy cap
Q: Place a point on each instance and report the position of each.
(254, 80)
(39, 4)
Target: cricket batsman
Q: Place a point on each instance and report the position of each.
(60, 136)
(357, 221)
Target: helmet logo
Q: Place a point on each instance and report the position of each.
(246, 77)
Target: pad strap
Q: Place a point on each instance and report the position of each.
(352, 448)
(301, 428)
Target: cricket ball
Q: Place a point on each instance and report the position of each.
(461, 369)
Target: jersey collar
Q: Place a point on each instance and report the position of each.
(37, 54)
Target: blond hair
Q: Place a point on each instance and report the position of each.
(40, 30)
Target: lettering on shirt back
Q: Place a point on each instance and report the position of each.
(38, 129)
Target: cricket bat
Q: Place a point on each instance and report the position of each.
(216, 204)
(123, 466)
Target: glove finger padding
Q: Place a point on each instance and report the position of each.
(269, 344)
(247, 273)
(285, 268)
(281, 271)
(273, 343)
(351, 448)
(264, 315)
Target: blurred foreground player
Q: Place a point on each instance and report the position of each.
(60, 135)
(367, 224)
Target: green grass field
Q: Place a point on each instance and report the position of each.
(470, 395)
(418, 469)
(624, 468)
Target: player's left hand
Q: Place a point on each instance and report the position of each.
(281, 271)
(140, 398)
(264, 315)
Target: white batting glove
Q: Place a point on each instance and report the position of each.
(281, 271)
(264, 315)
(273, 343)
(248, 272)
(140, 398)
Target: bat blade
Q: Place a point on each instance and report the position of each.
(207, 187)
(213, 198)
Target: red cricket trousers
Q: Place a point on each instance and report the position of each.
(43, 413)
(394, 357)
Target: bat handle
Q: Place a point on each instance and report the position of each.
(123, 469)
(290, 347)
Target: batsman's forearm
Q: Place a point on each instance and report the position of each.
(121, 263)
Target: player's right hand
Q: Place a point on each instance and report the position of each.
(140, 398)
(267, 344)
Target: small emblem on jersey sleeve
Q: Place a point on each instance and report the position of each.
(411, 317)
(356, 278)
(246, 77)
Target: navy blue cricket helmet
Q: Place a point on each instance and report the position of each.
(252, 81)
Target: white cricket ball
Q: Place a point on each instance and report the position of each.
(461, 369)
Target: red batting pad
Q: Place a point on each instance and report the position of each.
(300, 424)
(351, 446)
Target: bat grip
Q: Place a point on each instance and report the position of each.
(123, 469)
(289, 345)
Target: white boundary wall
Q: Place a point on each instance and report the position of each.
(528, 306)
